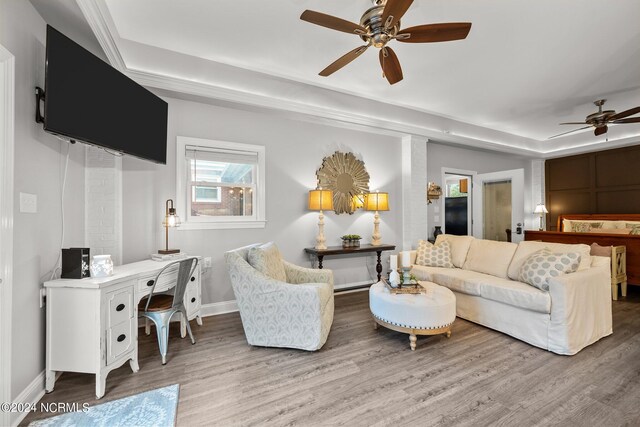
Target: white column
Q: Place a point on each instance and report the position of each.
(103, 198)
(537, 194)
(414, 190)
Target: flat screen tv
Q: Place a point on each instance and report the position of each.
(88, 100)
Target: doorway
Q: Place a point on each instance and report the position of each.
(457, 204)
(496, 205)
(7, 82)
(499, 207)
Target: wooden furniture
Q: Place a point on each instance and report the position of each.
(92, 323)
(339, 250)
(431, 313)
(618, 270)
(599, 182)
(631, 242)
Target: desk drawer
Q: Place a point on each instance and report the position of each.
(120, 340)
(167, 280)
(119, 306)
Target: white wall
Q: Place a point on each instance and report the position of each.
(294, 150)
(440, 155)
(39, 163)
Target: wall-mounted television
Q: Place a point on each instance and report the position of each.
(87, 100)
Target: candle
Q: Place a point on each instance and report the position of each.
(393, 262)
(406, 259)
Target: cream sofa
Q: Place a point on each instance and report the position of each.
(574, 313)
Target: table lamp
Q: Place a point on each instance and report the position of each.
(376, 202)
(320, 200)
(540, 209)
(171, 219)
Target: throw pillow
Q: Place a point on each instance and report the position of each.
(435, 255)
(544, 264)
(421, 252)
(597, 250)
(267, 260)
(585, 227)
(635, 229)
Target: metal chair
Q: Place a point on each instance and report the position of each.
(161, 307)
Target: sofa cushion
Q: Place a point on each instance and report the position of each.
(525, 249)
(516, 294)
(267, 260)
(544, 264)
(459, 247)
(458, 280)
(434, 255)
(490, 257)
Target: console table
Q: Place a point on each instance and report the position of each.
(339, 250)
(92, 323)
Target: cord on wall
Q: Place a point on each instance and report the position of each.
(64, 184)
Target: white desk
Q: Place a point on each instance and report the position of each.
(92, 323)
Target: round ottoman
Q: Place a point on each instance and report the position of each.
(430, 313)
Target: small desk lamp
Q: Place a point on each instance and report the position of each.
(320, 200)
(376, 202)
(171, 219)
(540, 209)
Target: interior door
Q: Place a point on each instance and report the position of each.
(493, 183)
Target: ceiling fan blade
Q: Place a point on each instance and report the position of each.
(566, 133)
(626, 113)
(343, 60)
(573, 123)
(629, 120)
(332, 22)
(390, 65)
(432, 33)
(601, 130)
(393, 11)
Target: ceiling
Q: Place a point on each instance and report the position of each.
(525, 66)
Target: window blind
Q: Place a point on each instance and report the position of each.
(221, 155)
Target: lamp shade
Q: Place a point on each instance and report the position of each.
(376, 202)
(540, 208)
(320, 200)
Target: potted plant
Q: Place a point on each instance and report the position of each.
(351, 241)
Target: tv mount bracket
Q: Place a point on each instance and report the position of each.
(39, 98)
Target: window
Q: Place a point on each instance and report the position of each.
(220, 184)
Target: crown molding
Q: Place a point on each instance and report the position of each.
(99, 20)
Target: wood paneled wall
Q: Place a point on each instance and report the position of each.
(605, 182)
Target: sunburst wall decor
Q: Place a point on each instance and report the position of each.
(346, 176)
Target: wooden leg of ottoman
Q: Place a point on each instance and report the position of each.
(412, 341)
(448, 334)
(375, 325)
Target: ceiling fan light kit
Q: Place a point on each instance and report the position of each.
(378, 26)
(601, 119)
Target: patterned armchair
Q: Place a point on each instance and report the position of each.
(296, 313)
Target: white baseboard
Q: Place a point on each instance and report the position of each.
(30, 395)
(216, 308)
(351, 285)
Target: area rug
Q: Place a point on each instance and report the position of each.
(151, 408)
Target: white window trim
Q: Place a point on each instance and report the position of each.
(259, 221)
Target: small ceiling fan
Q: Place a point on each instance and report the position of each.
(602, 119)
(378, 26)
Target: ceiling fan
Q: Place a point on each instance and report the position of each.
(378, 26)
(602, 119)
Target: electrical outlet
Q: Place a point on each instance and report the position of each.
(207, 262)
(43, 297)
(436, 219)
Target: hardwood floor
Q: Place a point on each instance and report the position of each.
(365, 377)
